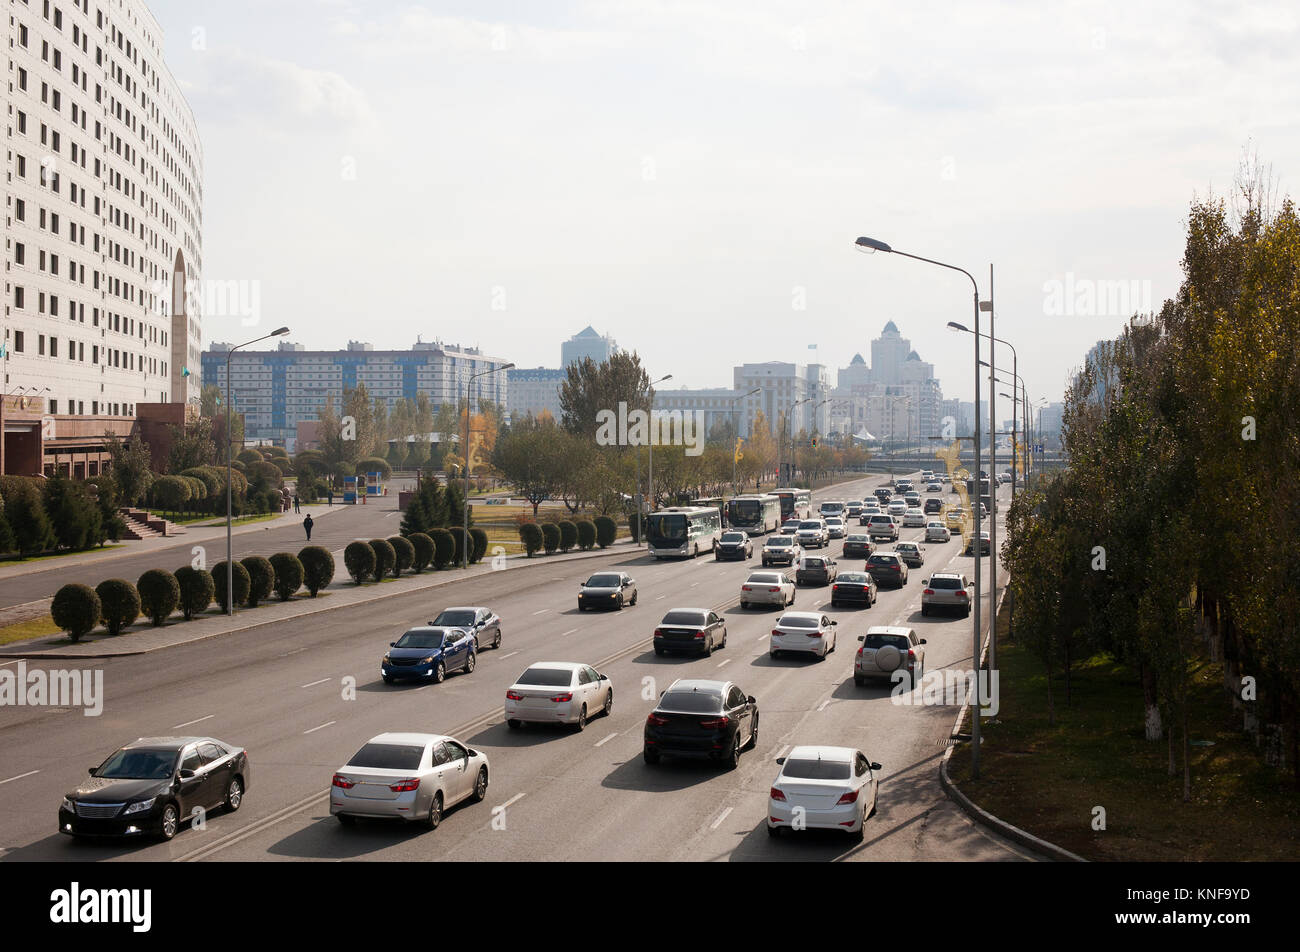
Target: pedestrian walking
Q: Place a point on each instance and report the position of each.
(331, 495)
(307, 524)
(295, 503)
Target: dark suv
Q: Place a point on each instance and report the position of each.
(887, 567)
(815, 570)
(695, 718)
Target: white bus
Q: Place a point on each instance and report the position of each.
(755, 514)
(794, 502)
(683, 531)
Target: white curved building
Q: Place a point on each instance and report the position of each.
(103, 193)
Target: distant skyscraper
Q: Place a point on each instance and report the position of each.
(586, 343)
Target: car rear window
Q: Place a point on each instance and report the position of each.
(764, 578)
(813, 563)
(945, 583)
(882, 559)
(690, 702)
(683, 618)
(853, 577)
(878, 640)
(816, 770)
(796, 621)
(388, 756)
(546, 677)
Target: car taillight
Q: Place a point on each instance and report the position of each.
(715, 722)
(850, 797)
(658, 633)
(657, 720)
(405, 786)
(559, 698)
(814, 634)
(514, 696)
(835, 588)
(962, 593)
(776, 794)
(745, 588)
(911, 657)
(928, 591)
(699, 635)
(344, 782)
(774, 590)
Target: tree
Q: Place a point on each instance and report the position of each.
(530, 534)
(76, 609)
(119, 604)
(74, 515)
(197, 590)
(444, 548)
(160, 593)
(130, 467)
(530, 455)
(25, 513)
(568, 535)
(590, 388)
(212, 407)
(359, 557)
(550, 537)
(261, 578)
(422, 551)
(606, 531)
(192, 445)
(171, 493)
(404, 551)
(317, 568)
(239, 574)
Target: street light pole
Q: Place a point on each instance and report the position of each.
(650, 459)
(736, 403)
(873, 245)
(230, 562)
(464, 539)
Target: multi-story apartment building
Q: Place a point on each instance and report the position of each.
(276, 389)
(532, 390)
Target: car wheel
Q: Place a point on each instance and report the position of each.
(753, 734)
(708, 647)
(733, 758)
(924, 611)
(635, 596)
(609, 702)
(650, 756)
(744, 605)
(435, 812)
(170, 823)
(514, 723)
(347, 819)
(620, 603)
(773, 830)
(387, 679)
(860, 833)
(480, 785)
(792, 595)
(859, 682)
(496, 641)
(582, 719)
(658, 650)
(234, 794)
(774, 654)
(440, 673)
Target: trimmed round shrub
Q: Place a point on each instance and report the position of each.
(261, 578)
(267, 473)
(568, 535)
(385, 557)
(606, 531)
(160, 593)
(586, 535)
(480, 540)
(317, 568)
(373, 464)
(444, 548)
(359, 558)
(405, 553)
(249, 455)
(458, 538)
(288, 574)
(242, 583)
(76, 609)
(119, 604)
(197, 590)
(530, 534)
(550, 537)
(421, 550)
(634, 526)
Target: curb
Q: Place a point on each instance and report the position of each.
(978, 813)
(47, 655)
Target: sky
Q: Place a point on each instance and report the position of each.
(690, 177)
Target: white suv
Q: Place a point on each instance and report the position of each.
(882, 527)
(813, 532)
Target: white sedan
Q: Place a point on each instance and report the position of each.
(558, 692)
(827, 788)
(805, 632)
(411, 777)
(913, 519)
(767, 588)
(936, 532)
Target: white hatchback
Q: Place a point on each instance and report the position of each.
(823, 788)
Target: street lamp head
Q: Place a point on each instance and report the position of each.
(280, 333)
(506, 367)
(871, 246)
(960, 327)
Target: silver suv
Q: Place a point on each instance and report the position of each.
(888, 649)
(946, 590)
(882, 527)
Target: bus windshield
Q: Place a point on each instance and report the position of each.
(667, 526)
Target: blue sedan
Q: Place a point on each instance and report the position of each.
(429, 653)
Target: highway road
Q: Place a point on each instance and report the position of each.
(555, 794)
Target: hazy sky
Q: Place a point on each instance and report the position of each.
(690, 176)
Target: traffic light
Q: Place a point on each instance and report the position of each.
(814, 442)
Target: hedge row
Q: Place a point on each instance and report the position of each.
(440, 548)
(586, 534)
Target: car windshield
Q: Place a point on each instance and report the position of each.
(853, 577)
(855, 538)
(388, 756)
(940, 582)
(547, 677)
(683, 618)
(138, 764)
(456, 616)
(816, 770)
(420, 638)
(809, 524)
(904, 547)
(797, 621)
(690, 702)
(778, 542)
(669, 526)
(604, 581)
(880, 641)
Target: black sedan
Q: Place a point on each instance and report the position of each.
(712, 719)
(858, 546)
(691, 629)
(153, 785)
(733, 545)
(888, 567)
(607, 590)
(855, 588)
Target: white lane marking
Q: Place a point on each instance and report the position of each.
(15, 661)
(542, 612)
(661, 596)
(693, 584)
(725, 663)
(314, 683)
(294, 651)
(781, 753)
(606, 740)
(197, 720)
(322, 727)
(20, 776)
(511, 655)
(718, 822)
(517, 797)
(822, 707)
(567, 633)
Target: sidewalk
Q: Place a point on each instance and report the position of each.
(194, 535)
(143, 638)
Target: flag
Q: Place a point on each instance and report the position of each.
(3, 351)
(185, 371)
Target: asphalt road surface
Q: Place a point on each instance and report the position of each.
(555, 794)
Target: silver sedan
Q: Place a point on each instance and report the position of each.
(411, 777)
